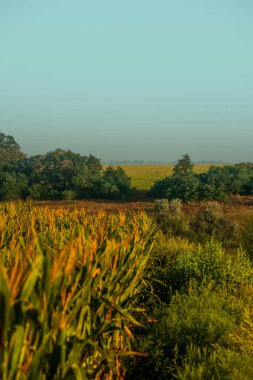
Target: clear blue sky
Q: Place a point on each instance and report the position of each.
(135, 79)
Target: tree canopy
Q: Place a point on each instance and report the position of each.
(216, 184)
(59, 174)
(183, 166)
(63, 174)
(9, 150)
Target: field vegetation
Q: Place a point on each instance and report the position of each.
(125, 295)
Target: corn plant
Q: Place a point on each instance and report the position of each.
(68, 288)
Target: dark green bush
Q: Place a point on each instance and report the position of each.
(114, 184)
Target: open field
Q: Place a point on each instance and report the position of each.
(144, 176)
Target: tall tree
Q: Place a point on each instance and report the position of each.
(183, 183)
(9, 150)
(183, 166)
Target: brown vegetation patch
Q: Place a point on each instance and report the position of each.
(239, 206)
(98, 205)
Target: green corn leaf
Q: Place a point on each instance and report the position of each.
(32, 279)
(4, 306)
(78, 372)
(38, 363)
(18, 340)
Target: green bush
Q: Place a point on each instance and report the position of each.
(206, 363)
(183, 341)
(164, 254)
(68, 195)
(247, 237)
(194, 320)
(178, 265)
(207, 264)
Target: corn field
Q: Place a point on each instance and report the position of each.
(69, 284)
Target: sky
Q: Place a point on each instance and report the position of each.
(143, 80)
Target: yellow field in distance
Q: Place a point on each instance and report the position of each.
(144, 176)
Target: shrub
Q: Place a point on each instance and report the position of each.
(211, 222)
(169, 217)
(163, 256)
(184, 339)
(207, 363)
(180, 265)
(161, 205)
(247, 237)
(68, 195)
(208, 264)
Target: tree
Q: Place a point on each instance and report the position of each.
(219, 182)
(60, 174)
(13, 186)
(183, 166)
(184, 187)
(160, 188)
(248, 185)
(114, 183)
(9, 150)
(183, 183)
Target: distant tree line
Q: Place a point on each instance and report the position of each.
(63, 174)
(216, 184)
(60, 174)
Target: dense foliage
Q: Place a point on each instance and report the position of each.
(199, 315)
(61, 174)
(217, 183)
